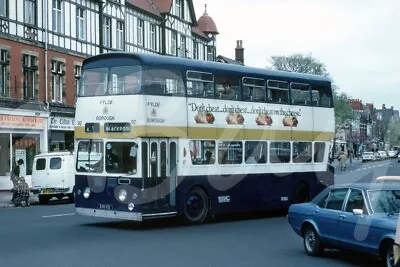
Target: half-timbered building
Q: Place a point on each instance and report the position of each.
(43, 44)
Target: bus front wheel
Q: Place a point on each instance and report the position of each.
(196, 206)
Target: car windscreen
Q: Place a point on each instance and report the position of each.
(385, 201)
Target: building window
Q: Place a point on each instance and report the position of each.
(4, 73)
(195, 50)
(120, 35)
(78, 73)
(57, 81)
(173, 43)
(182, 48)
(107, 32)
(210, 53)
(178, 8)
(3, 8)
(30, 12)
(152, 37)
(80, 23)
(30, 79)
(140, 32)
(58, 16)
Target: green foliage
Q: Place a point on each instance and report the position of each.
(392, 134)
(310, 65)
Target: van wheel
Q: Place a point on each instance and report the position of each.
(72, 195)
(196, 206)
(44, 199)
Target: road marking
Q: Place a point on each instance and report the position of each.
(58, 215)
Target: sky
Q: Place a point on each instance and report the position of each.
(357, 40)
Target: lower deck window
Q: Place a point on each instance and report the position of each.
(301, 152)
(319, 151)
(230, 152)
(256, 152)
(202, 152)
(279, 152)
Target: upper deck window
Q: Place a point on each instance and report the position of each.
(125, 80)
(94, 82)
(321, 96)
(228, 88)
(200, 84)
(300, 94)
(162, 81)
(278, 92)
(253, 89)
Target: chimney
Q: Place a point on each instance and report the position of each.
(383, 106)
(239, 51)
(391, 107)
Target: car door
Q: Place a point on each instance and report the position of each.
(327, 215)
(355, 229)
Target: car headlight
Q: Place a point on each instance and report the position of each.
(86, 192)
(122, 195)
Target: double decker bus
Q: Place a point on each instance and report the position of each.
(159, 136)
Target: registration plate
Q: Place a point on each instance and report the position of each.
(48, 191)
(105, 206)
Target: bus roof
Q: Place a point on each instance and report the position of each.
(155, 59)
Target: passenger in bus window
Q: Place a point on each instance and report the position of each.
(112, 160)
(228, 92)
(132, 84)
(208, 158)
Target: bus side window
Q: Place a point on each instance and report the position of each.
(322, 96)
(278, 92)
(300, 94)
(200, 84)
(163, 82)
(228, 87)
(253, 89)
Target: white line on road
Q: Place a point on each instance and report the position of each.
(58, 215)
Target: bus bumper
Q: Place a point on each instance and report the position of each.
(123, 215)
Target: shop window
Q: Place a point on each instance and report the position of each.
(25, 147)
(55, 163)
(4, 154)
(202, 152)
(230, 152)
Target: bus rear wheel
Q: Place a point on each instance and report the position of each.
(196, 206)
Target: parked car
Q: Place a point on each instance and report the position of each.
(392, 154)
(368, 156)
(358, 217)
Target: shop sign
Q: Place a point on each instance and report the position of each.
(62, 124)
(21, 122)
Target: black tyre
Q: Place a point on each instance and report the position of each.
(301, 193)
(311, 242)
(196, 206)
(389, 255)
(44, 199)
(72, 196)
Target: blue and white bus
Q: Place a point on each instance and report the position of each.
(191, 138)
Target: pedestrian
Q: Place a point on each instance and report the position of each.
(15, 172)
(21, 193)
(343, 159)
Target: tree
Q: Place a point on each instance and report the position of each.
(308, 64)
(392, 135)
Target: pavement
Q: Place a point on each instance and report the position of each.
(5, 199)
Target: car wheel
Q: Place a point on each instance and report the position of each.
(196, 206)
(311, 241)
(389, 256)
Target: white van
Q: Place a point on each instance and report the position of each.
(53, 175)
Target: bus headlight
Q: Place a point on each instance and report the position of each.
(134, 196)
(86, 192)
(131, 206)
(122, 195)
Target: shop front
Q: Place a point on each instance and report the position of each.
(61, 133)
(22, 135)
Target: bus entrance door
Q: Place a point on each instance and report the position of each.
(159, 168)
